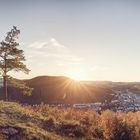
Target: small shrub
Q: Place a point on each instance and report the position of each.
(50, 124)
(73, 130)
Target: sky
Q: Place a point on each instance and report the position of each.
(82, 39)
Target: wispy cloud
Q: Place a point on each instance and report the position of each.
(50, 43)
(53, 50)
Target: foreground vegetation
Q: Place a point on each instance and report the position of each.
(19, 122)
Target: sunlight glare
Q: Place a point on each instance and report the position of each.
(75, 75)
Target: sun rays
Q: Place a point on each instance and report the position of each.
(73, 88)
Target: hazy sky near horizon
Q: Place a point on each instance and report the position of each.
(86, 39)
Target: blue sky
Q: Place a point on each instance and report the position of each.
(83, 39)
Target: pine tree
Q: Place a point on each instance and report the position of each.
(11, 57)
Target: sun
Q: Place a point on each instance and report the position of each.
(76, 75)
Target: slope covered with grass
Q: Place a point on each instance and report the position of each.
(19, 122)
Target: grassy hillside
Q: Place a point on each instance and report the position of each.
(19, 122)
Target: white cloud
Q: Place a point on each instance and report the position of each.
(53, 51)
(51, 43)
(36, 45)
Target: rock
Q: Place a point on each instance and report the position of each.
(9, 130)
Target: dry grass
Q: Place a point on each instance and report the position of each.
(44, 122)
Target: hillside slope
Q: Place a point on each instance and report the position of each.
(19, 122)
(59, 89)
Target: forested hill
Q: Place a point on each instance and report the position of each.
(59, 89)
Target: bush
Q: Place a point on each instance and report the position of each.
(72, 130)
(89, 124)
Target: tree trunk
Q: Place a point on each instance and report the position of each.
(5, 87)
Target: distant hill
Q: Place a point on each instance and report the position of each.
(122, 87)
(60, 89)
